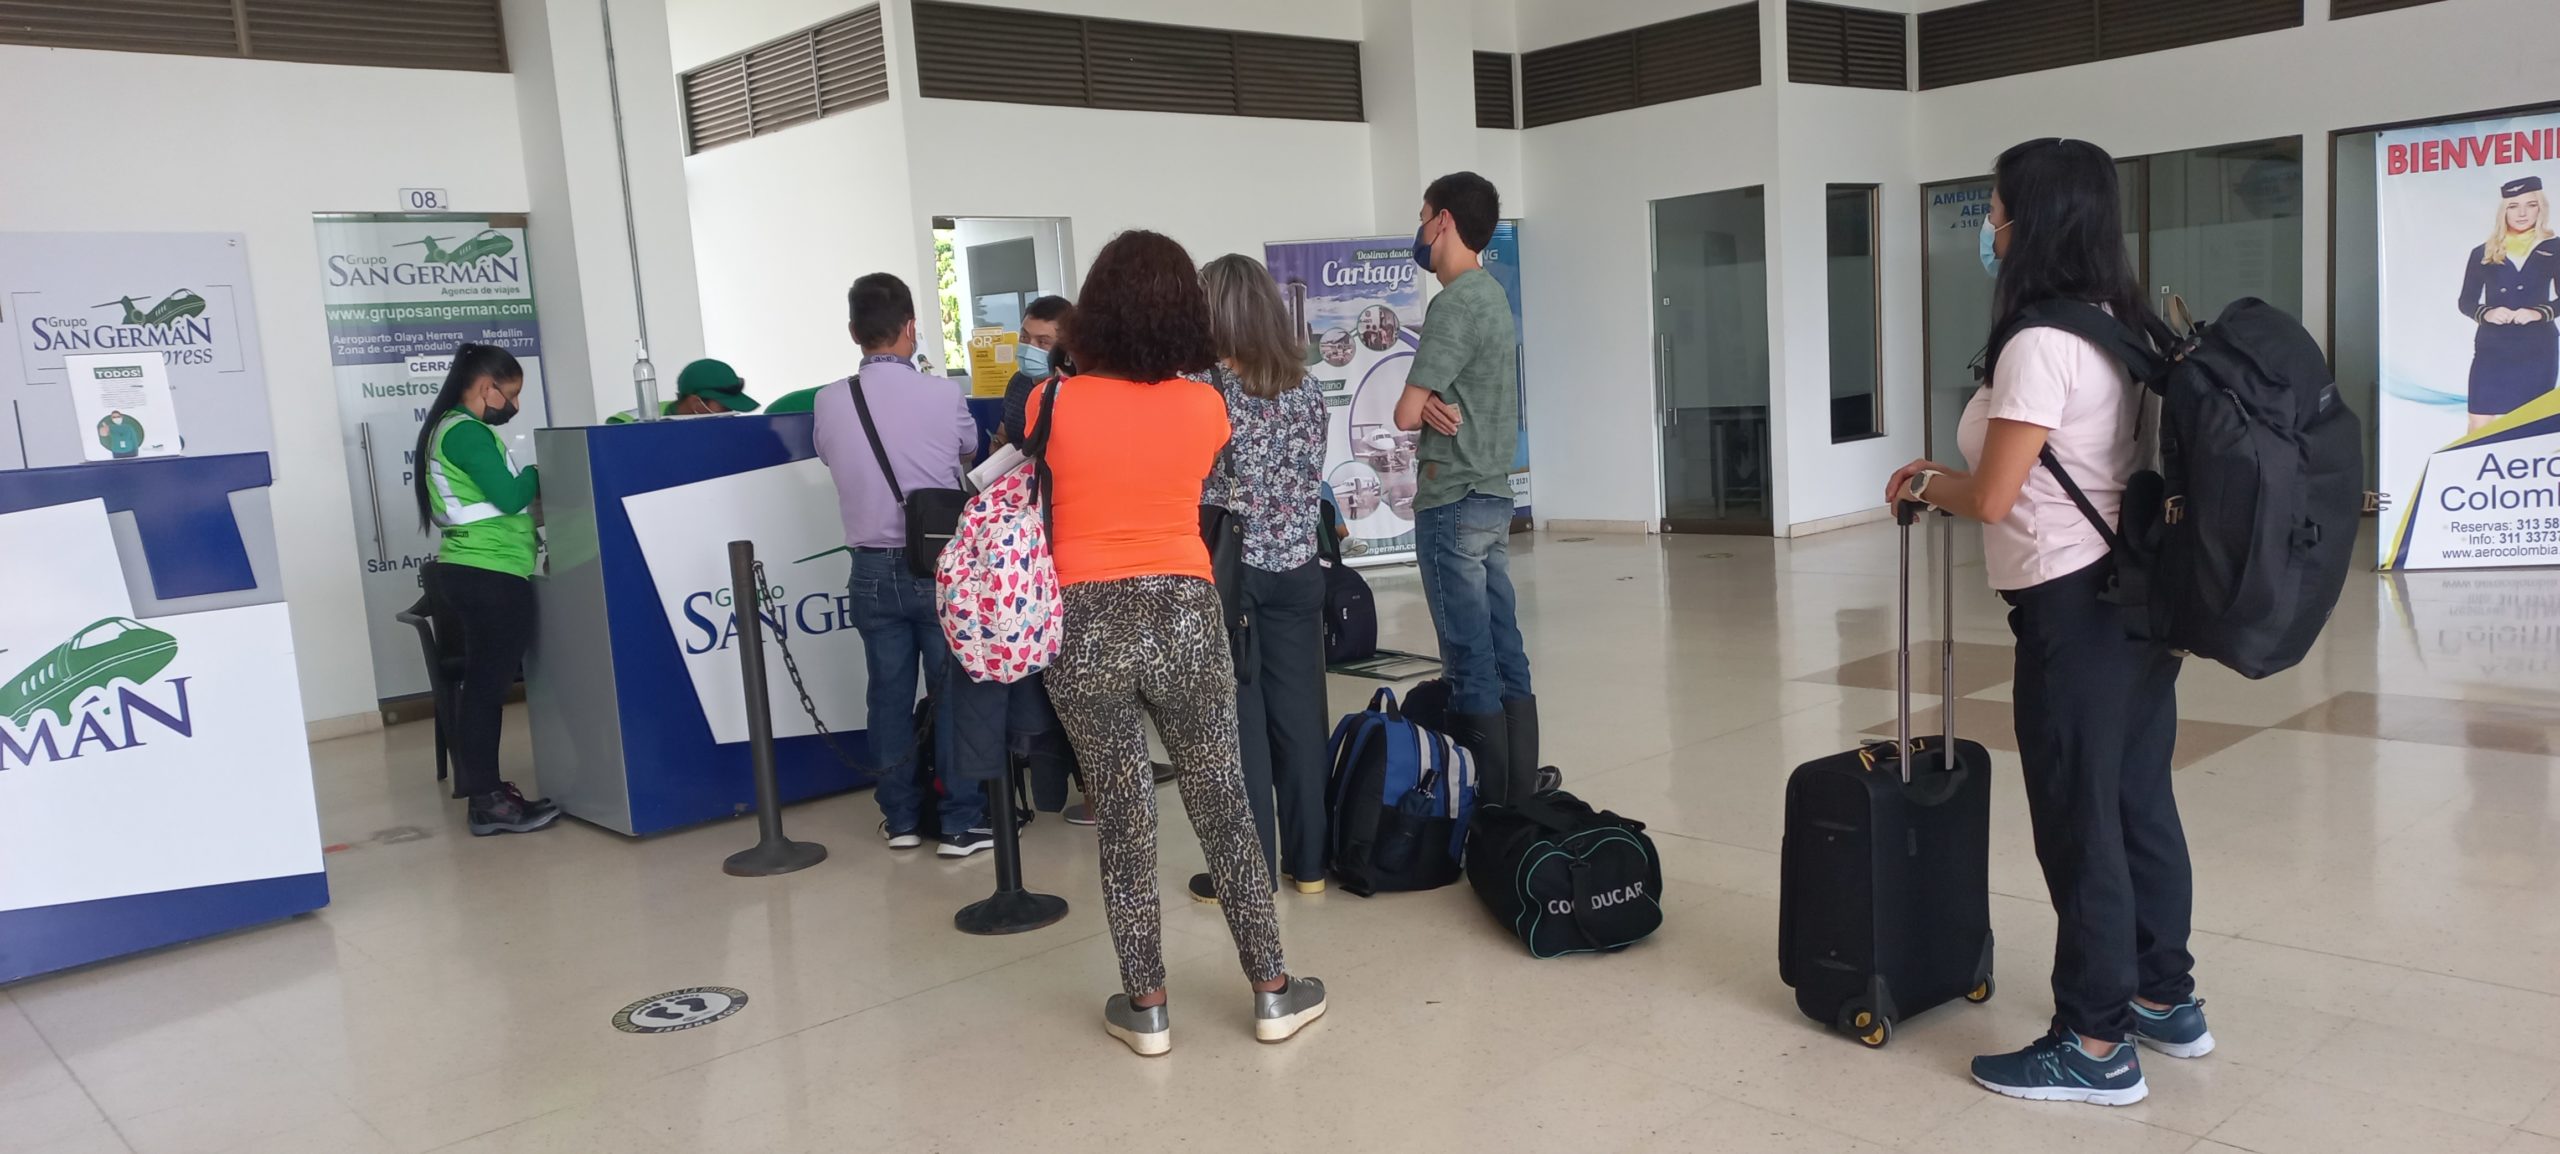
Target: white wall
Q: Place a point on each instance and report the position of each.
(1586, 289)
(781, 226)
(263, 147)
(2419, 63)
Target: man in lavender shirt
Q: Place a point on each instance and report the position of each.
(927, 433)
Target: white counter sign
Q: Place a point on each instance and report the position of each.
(789, 511)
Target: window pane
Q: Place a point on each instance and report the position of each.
(1959, 304)
(2226, 223)
(1849, 243)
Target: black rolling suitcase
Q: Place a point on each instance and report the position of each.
(1884, 881)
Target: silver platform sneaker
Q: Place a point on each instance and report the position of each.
(1149, 1032)
(1280, 1014)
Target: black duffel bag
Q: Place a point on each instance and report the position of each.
(1563, 877)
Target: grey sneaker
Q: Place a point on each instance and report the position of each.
(1149, 1032)
(1279, 1015)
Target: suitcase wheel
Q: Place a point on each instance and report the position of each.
(1983, 992)
(1871, 1029)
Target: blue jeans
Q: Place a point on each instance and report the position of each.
(900, 633)
(1465, 551)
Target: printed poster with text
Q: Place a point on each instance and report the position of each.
(1359, 304)
(401, 294)
(2470, 282)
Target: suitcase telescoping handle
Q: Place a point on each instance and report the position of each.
(1905, 514)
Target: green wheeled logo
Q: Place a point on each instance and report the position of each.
(490, 242)
(181, 303)
(108, 648)
(95, 693)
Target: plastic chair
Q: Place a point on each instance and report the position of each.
(442, 650)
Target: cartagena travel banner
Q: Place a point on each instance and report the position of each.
(401, 293)
(2469, 420)
(1358, 303)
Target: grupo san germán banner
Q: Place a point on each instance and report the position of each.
(1360, 302)
(179, 298)
(2470, 285)
(402, 292)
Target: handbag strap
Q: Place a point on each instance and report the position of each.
(879, 452)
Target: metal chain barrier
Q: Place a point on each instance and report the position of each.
(791, 665)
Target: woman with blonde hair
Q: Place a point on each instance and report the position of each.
(1274, 479)
(2511, 286)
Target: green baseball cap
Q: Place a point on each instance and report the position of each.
(716, 382)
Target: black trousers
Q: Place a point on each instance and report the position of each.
(2096, 719)
(1280, 718)
(495, 614)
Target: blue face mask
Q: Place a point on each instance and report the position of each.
(1422, 248)
(1031, 359)
(1991, 248)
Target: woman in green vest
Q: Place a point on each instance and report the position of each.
(480, 503)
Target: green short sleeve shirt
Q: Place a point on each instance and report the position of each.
(1470, 358)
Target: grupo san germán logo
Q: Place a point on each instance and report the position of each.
(174, 325)
(486, 258)
(99, 692)
(711, 617)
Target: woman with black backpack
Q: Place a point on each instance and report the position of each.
(2096, 712)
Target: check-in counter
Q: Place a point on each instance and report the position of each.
(638, 715)
(632, 685)
(155, 776)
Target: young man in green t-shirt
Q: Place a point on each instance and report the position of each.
(1462, 394)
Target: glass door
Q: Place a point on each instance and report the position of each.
(1711, 361)
(1956, 303)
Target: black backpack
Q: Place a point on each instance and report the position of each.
(2237, 548)
(1350, 611)
(1565, 878)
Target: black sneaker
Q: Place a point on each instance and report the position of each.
(533, 805)
(959, 845)
(1204, 889)
(502, 811)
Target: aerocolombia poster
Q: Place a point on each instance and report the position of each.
(1359, 306)
(401, 293)
(2470, 286)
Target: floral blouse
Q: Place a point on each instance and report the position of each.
(1277, 452)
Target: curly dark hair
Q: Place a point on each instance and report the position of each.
(1142, 314)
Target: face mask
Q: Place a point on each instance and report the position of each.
(501, 414)
(1991, 248)
(1422, 248)
(1031, 359)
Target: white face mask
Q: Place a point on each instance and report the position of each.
(1991, 247)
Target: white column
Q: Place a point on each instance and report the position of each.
(582, 241)
(1417, 79)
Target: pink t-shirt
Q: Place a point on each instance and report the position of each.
(2056, 381)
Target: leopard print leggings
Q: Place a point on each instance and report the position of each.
(1155, 643)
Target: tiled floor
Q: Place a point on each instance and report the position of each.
(2377, 837)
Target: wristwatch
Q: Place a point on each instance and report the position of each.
(1919, 490)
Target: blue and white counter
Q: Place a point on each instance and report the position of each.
(639, 721)
(155, 781)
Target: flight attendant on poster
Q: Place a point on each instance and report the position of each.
(2509, 286)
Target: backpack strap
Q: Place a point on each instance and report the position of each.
(1349, 739)
(2053, 465)
(2136, 349)
(1044, 486)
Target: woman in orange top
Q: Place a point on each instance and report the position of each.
(1131, 444)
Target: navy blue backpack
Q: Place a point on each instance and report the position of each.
(1401, 796)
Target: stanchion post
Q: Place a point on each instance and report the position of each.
(1011, 909)
(773, 853)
